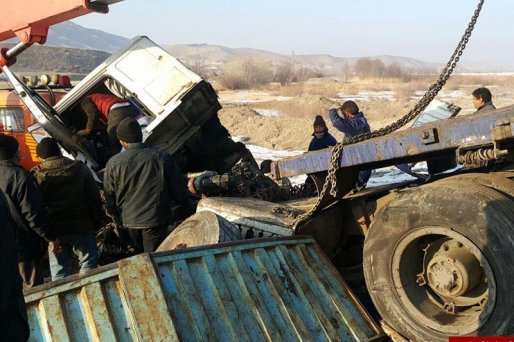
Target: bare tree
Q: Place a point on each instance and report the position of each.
(245, 74)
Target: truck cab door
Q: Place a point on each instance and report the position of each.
(47, 118)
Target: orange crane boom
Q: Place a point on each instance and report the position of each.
(29, 20)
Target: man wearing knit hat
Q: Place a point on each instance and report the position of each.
(26, 207)
(140, 186)
(321, 138)
(74, 207)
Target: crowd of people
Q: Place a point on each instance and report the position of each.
(56, 208)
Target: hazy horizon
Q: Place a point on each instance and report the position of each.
(427, 31)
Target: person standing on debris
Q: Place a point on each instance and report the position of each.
(107, 108)
(352, 123)
(321, 138)
(13, 314)
(482, 99)
(140, 185)
(27, 209)
(74, 208)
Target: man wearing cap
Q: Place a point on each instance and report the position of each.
(74, 208)
(27, 210)
(109, 109)
(140, 186)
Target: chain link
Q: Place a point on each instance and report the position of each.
(430, 94)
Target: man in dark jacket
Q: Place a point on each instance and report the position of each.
(482, 99)
(352, 123)
(27, 209)
(74, 208)
(321, 137)
(13, 314)
(140, 186)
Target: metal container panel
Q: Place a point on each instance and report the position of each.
(258, 290)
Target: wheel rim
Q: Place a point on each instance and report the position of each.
(444, 280)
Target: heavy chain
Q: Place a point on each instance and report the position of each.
(430, 94)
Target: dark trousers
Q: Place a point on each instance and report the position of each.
(31, 272)
(147, 239)
(114, 118)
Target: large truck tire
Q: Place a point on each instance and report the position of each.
(438, 261)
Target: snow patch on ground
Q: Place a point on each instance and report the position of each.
(391, 174)
(368, 96)
(268, 112)
(244, 97)
(262, 153)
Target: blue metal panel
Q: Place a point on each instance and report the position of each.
(433, 139)
(278, 289)
(258, 290)
(87, 308)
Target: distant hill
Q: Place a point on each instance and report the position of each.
(72, 48)
(217, 55)
(69, 34)
(48, 59)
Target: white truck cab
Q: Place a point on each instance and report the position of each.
(174, 105)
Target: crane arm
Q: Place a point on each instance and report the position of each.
(29, 20)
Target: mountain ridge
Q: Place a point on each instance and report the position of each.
(76, 39)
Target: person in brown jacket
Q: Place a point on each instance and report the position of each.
(74, 208)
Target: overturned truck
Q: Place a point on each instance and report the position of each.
(434, 254)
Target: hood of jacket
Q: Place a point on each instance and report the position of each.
(56, 170)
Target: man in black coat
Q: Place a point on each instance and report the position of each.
(13, 314)
(140, 186)
(74, 208)
(26, 208)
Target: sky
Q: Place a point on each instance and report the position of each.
(425, 30)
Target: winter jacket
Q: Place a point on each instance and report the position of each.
(13, 316)
(72, 197)
(27, 210)
(350, 127)
(140, 185)
(487, 106)
(319, 144)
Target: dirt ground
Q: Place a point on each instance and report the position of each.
(282, 119)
